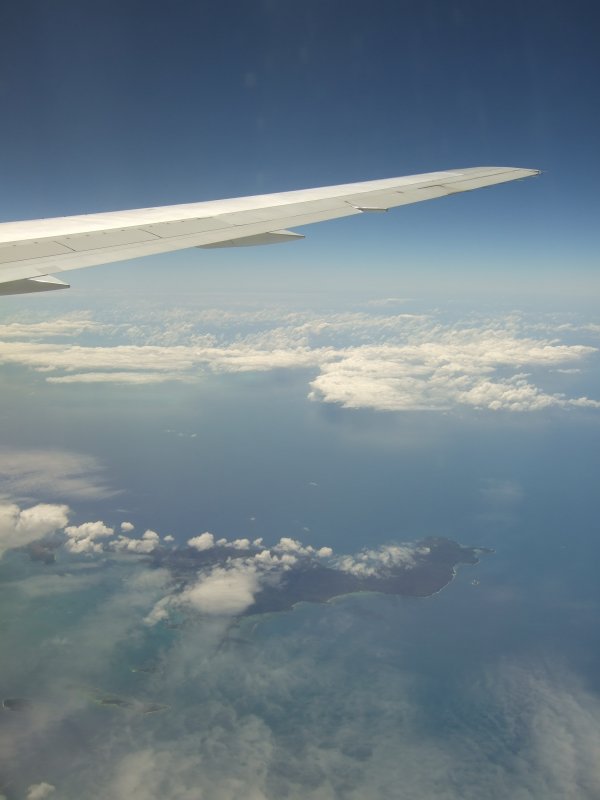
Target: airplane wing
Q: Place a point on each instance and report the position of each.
(33, 249)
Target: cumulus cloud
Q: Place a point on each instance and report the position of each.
(240, 544)
(324, 552)
(224, 590)
(150, 541)
(289, 545)
(40, 791)
(19, 527)
(380, 561)
(127, 527)
(453, 368)
(204, 541)
(84, 538)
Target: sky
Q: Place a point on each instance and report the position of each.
(124, 105)
(430, 372)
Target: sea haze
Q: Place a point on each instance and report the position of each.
(168, 465)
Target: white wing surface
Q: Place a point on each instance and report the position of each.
(33, 249)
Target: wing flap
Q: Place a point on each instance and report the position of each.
(101, 240)
(275, 237)
(44, 283)
(186, 227)
(11, 253)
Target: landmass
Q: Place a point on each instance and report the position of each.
(432, 567)
(316, 583)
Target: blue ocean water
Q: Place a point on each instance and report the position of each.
(488, 688)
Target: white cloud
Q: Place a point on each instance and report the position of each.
(83, 538)
(54, 473)
(120, 377)
(224, 590)
(380, 360)
(204, 541)
(150, 541)
(378, 562)
(240, 544)
(71, 325)
(169, 538)
(455, 367)
(19, 527)
(89, 530)
(268, 560)
(127, 527)
(40, 791)
(288, 545)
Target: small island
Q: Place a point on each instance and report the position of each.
(431, 567)
(315, 583)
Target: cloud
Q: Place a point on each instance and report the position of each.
(356, 737)
(121, 377)
(71, 325)
(240, 544)
(381, 361)
(202, 542)
(52, 473)
(150, 541)
(379, 562)
(224, 590)
(19, 527)
(289, 545)
(384, 302)
(83, 538)
(455, 368)
(40, 791)
(127, 527)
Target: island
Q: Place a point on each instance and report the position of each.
(432, 567)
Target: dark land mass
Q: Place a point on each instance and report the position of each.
(315, 583)
(311, 581)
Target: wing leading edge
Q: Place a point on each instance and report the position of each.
(32, 249)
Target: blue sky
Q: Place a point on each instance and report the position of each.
(116, 105)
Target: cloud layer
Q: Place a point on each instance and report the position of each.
(376, 360)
